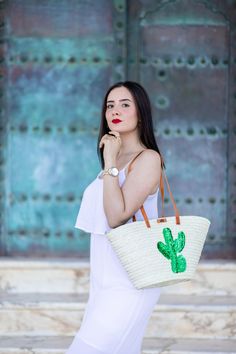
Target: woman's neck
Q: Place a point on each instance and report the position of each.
(130, 144)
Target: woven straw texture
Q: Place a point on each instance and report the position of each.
(136, 247)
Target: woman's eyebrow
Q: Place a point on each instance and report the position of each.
(123, 99)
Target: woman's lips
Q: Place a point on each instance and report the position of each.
(116, 121)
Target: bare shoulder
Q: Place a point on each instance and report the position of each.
(149, 158)
(146, 167)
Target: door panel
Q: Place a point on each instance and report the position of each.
(180, 51)
(60, 57)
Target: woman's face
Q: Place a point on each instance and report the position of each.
(121, 113)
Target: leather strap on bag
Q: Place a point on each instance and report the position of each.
(161, 186)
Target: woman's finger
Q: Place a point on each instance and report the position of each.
(111, 134)
(102, 140)
(114, 133)
(117, 137)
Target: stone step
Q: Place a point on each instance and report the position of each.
(174, 316)
(72, 276)
(58, 345)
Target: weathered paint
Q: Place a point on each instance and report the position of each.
(184, 53)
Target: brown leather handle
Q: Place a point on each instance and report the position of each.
(161, 186)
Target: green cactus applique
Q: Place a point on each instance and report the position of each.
(170, 249)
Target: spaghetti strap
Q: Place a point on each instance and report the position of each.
(131, 161)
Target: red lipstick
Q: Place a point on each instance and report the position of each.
(116, 120)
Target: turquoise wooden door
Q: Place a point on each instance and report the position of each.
(60, 57)
(57, 60)
(184, 53)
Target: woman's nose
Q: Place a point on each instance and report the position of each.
(115, 112)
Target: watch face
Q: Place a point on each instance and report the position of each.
(114, 171)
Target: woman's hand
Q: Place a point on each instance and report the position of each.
(112, 145)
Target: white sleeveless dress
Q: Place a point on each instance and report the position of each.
(116, 314)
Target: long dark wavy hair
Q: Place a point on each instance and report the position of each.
(144, 112)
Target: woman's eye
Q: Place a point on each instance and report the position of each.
(123, 104)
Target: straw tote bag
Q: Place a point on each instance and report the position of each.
(163, 251)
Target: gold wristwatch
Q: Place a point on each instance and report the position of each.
(112, 171)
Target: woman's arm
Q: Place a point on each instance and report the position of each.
(120, 204)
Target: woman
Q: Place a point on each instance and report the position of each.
(117, 313)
